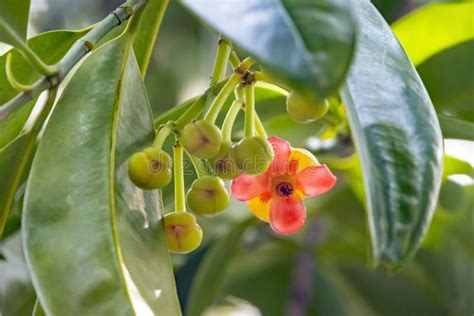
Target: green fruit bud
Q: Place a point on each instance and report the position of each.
(253, 155)
(183, 234)
(305, 110)
(150, 169)
(208, 196)
(223, 165)
(201, 139)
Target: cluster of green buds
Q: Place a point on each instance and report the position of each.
(214, 154)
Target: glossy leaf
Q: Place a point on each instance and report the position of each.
(147, 32)
(93, 241)
(210, 276)
(435, 27)
(449, 80)
(14, 20)
(50, 47)
(306, 44)
(397, 137)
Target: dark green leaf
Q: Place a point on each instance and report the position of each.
(210, 276)
(398, 139)
(449, 80)
(306, 44)
(14, 20)
(147, 32)
(91, 236)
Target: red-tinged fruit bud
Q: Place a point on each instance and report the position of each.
(201, 139)
(150, 169)
(183, 234)
(208, 196)
(223, 165)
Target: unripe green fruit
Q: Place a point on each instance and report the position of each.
(201, 139)
(208, 196)
(305, 110)
(253, 155)
(223, 165)
(150, 169)
(183, 234)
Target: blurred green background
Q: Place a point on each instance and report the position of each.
(242, 267)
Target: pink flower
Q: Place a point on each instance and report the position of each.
(276, 195)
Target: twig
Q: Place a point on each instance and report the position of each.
(78, 50)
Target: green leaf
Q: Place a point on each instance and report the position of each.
(14, 20)
(148, 28)
(453, 165)
(50, 46)
(306, 44)
(449, 80)
(14, 160)
(398, 140)
(17, 296)
(38, 310)
(94, 242)
(435, 27)
(456, 128)
(12, 126)
(210, 276)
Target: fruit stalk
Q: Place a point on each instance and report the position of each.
(233, 81)
(230, 119)
(160, 138)
(222, 59)
(249, 110)
(179, 194)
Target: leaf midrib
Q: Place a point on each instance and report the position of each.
(111, 179)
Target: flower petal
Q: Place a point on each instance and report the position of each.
(287, 215)
(315, 180)
(281, 151)
(246, 187)
(260, 207)
(300, 159)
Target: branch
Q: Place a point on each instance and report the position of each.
(73, 56)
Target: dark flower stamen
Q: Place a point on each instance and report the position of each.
(284, 189)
